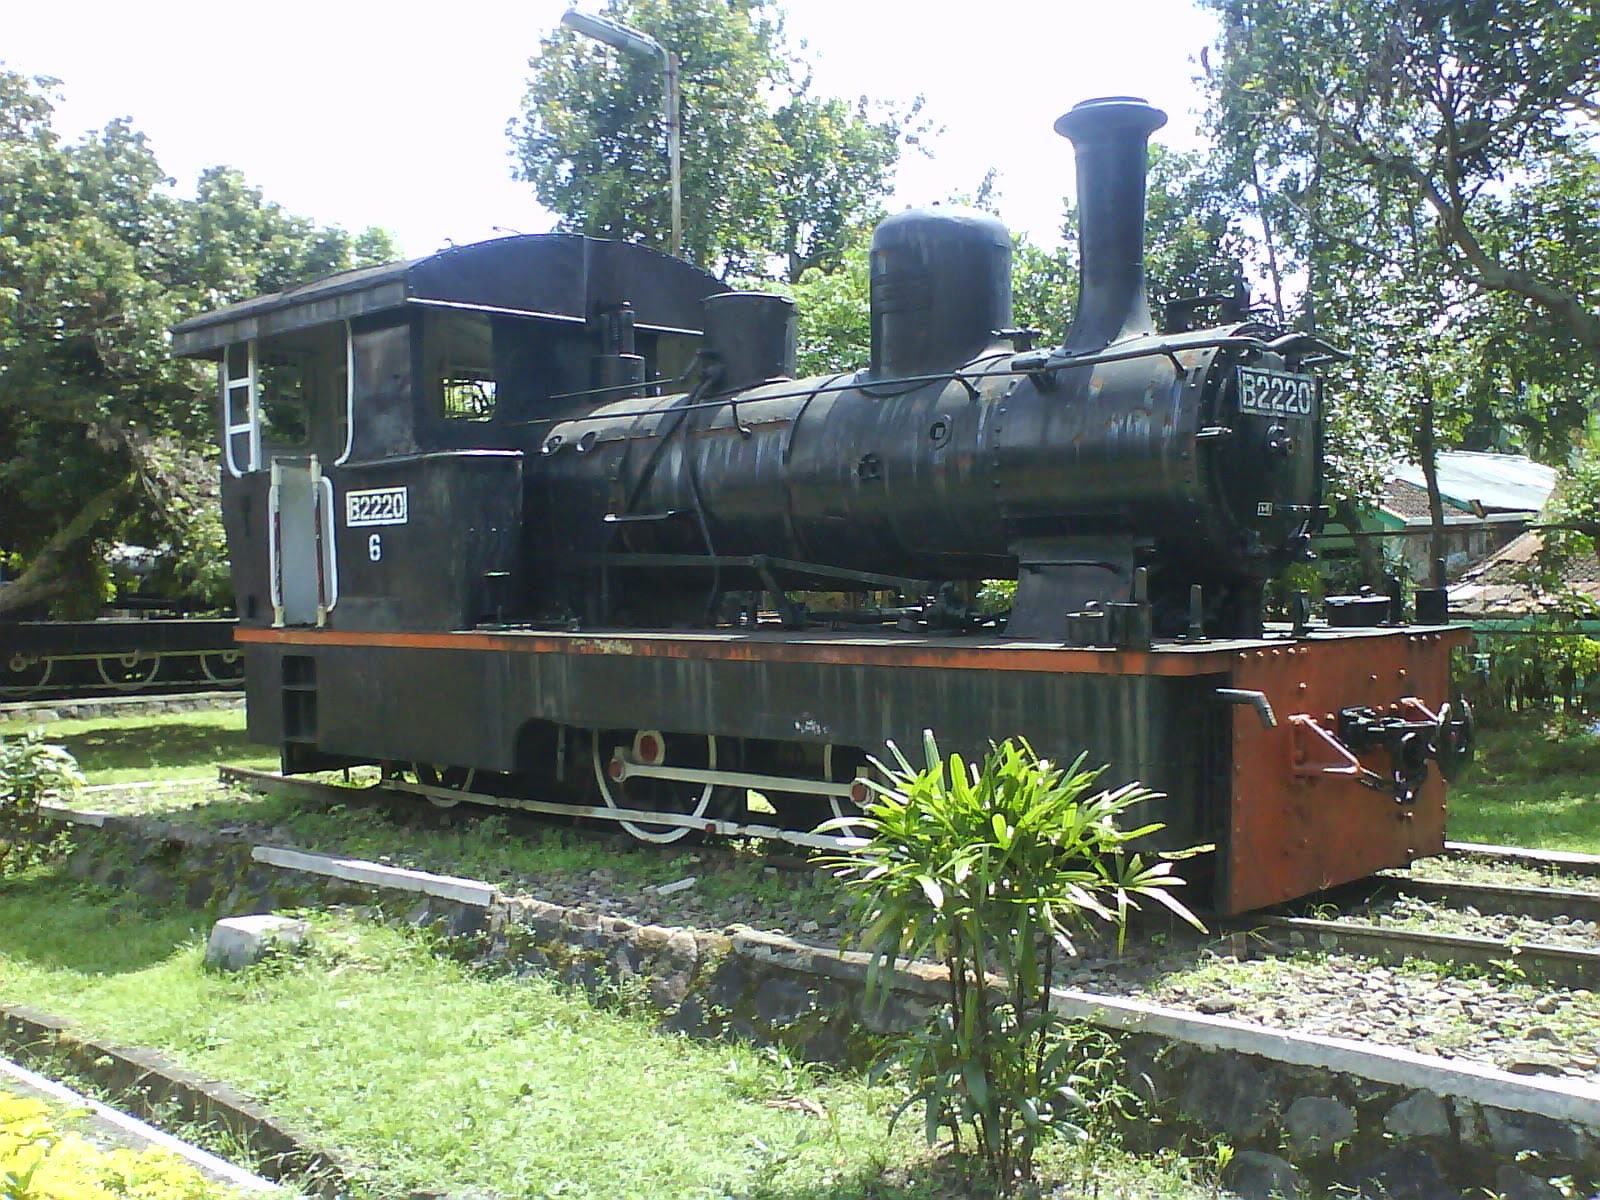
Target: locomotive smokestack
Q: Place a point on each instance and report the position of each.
(1109, 136)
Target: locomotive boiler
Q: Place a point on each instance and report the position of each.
(958, 454)
(544, 521)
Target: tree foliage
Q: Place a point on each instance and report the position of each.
(1423, 109)
(1193, 246)
(1421, 177)
(103, 435)
(32, 771)
(770, 170)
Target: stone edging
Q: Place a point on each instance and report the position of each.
(42, 712)
(1412, 1120)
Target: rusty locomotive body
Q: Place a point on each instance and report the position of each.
(536, 517)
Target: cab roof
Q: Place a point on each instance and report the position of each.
(559, 277)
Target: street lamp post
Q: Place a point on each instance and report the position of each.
(641, 45)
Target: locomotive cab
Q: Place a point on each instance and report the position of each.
(375, 423)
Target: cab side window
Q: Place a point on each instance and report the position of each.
(459, 351)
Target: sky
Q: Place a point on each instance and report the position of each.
(354, 113)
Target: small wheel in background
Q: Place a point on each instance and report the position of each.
(25, 673)
(435, 775)
(222, 666)
(128, 672)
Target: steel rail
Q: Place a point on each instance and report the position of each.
(268, 780)
(265, 781)
(1518, 900)
(1558, 965)
(1553, 860)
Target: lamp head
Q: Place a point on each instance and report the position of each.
(614, 34)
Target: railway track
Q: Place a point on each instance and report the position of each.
(1362, 927)
(1392, 918)
(1560, 861)
(1560, 966)
(449, 798)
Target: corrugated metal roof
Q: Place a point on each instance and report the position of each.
(1496, 585)
(1499, 482)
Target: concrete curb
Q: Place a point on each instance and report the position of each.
(118, 1127)
(1489, 1086)
(147, 1083)
(401, 879)
(1564, 1101)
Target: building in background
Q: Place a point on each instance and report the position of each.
(1489, 500)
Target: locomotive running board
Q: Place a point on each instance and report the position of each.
(636, 816)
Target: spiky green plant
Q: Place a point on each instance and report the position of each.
(994, 870)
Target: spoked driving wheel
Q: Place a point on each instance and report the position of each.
(222, 666)
(127, 672)
(623, 766)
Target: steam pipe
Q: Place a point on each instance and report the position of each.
(1110, 136)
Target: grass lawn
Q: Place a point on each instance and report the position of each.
(436, 1077)
(170, 746)
(1532, 785)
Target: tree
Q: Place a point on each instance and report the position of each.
(1193, 246)
(1422, 173)
(760, 179)
(835, 333)
(1433, 108)
(103, 435)
(839, 160)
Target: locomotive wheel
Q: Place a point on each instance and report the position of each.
(25, 674)
(127, 672)
(222, 667)
(648, 794)
(457, 779)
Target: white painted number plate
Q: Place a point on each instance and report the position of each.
(375, 506)
(1277, 393)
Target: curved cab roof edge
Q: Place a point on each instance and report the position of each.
(562, 277)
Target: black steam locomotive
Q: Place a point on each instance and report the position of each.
(539, 518)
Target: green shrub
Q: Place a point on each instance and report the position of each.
(40, 1161)
(31, 771)
(992, 871)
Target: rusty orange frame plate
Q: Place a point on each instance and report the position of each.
(1292, 834)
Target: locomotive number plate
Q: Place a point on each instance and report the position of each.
(1277, 393)
(375, 506)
